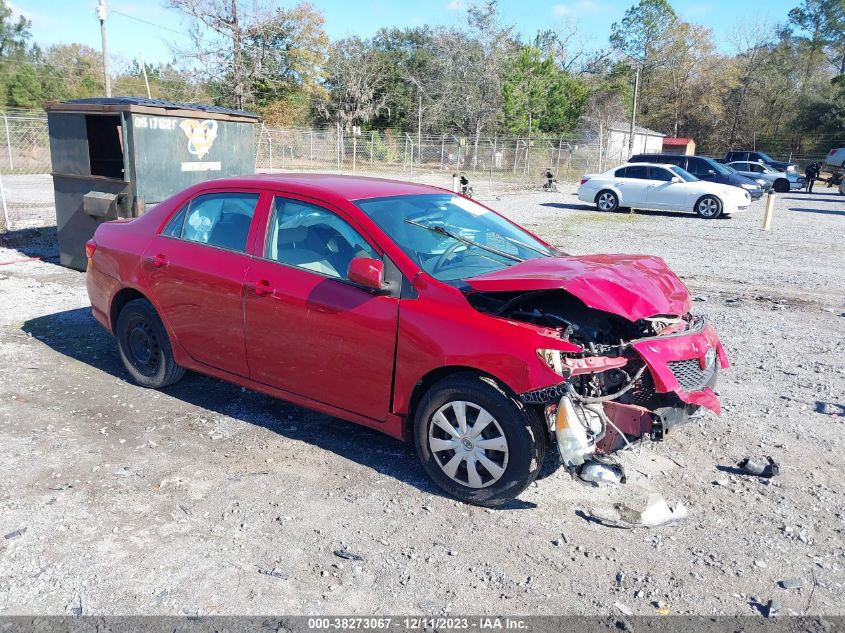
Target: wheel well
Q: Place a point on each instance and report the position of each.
(436, 375)
(709, 195)
(596, 199)
(123, 297)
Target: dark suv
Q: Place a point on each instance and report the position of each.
(758, 157)
(705, 169)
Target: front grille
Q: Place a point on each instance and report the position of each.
(690, 375)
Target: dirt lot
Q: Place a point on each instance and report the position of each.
(207, 498)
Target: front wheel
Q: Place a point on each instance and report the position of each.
(781, 185)
(144, 347)
(476, 442)
(708, 207)
(607, 201)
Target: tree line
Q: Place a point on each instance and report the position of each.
(774, 86)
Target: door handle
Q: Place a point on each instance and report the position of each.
(158, 260)
(261, 288)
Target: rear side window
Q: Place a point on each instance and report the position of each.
(637, 171)
(620, 173)
(216, 219)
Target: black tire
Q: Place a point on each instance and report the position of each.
(606, 200)
(781, 185)
(708, 207)
(522, 429)
(144, 348)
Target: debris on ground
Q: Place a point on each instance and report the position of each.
(759, 467)
(792, 583)
(623, 609)
(773, 609)
(15, 534)
(275, 572)
(602, 472)
(656, 513)
(343, 553)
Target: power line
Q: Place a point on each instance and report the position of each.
(158, 26)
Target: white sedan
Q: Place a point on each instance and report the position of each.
(657, 186)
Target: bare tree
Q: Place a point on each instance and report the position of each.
(355, 81)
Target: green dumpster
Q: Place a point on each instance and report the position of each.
(115, 157)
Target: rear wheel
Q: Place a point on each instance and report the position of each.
(606, 200)
(476, 442)
(143, 346)
(708, 207)
(781, 185)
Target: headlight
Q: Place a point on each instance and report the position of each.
(553, 358)
(761, 182)
(749, 186)
(790, 168)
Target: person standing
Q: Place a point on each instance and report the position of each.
(812, 173)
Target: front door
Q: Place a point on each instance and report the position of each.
(195, 270)
(663, 193)
(309, 330)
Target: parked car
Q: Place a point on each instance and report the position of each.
(752, 156)
(780, 181)
(657, 186)
(704, 168)
(411, 310)
(836, 158)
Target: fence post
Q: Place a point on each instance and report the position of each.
(372, 143)
(270, 144)
(337, 147)
(354, 152)
(442, 148)
(7, 222)
(311, 146)
(8, 142)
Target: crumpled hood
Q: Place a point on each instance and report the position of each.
(632, 286)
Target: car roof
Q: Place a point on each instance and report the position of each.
(330, 185)
(661, 165)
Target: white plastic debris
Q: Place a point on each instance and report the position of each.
(657, 512)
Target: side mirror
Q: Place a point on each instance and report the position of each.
(367, 272)
(710, 172)
(677, 179)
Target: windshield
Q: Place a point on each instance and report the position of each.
(683, 173)
(719, 168)
(450, 237)
(765, 157)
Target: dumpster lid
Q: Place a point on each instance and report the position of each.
(148, 106)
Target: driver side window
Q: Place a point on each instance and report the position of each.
(313, 238)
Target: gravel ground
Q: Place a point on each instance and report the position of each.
(209, 499)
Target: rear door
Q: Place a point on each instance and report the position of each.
(634, 186)
(195, 271)
(309, 330)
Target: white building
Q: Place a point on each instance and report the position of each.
(613, 146)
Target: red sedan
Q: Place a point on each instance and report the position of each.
(409, 309)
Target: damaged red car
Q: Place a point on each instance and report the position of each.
(412, 310)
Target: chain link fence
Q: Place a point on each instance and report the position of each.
(492, 164)
(495, 163)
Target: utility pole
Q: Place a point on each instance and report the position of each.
(146, 79)
(101, 13)
(634, 112)
(419, 127)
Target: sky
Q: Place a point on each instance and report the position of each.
(137, 27)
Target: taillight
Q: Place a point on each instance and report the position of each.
(583, 180)
(90, 247)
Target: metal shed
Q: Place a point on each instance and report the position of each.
(114, 157)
